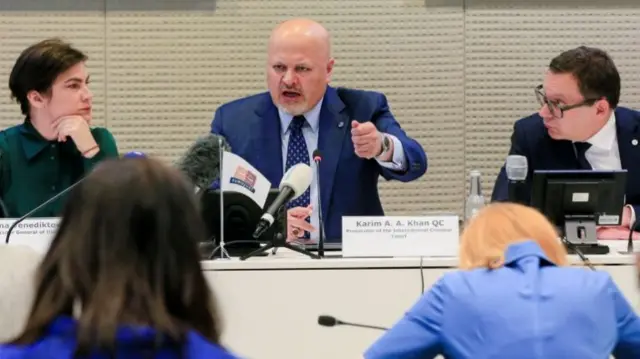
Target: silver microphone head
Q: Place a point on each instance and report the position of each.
(517, 168)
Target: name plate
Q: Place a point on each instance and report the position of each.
(36, 233)
(400, 236)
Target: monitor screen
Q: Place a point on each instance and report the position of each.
(597, 196)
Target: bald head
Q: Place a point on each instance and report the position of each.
(299, 65)
(297, 32)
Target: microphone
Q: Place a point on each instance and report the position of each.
(516, 169)
(39, 207)
(135, 154)
(293, 184)
(329, 321)
(317, 158)
(201, 162)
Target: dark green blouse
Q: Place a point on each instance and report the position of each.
(33, 169)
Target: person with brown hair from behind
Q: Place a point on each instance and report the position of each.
(122, 277)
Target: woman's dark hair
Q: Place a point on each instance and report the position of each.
(38, 66)
(126, 252)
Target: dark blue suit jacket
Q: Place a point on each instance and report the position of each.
(530, 139)
(348, 183)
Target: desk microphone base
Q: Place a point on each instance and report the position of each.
(279, 242)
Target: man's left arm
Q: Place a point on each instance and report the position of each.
(402, 157)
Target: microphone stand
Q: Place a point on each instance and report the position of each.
(577, 251)
(630, 239)
(317, 158)
(223, 251)
(31, 212)
(279, 241)
(329, 321)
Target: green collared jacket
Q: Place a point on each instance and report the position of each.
(33, 169)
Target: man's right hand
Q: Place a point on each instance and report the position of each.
(297, 222)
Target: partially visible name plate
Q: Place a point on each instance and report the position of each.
(400, 236)
(36, 233)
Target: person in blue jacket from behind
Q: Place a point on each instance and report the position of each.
(515, 297)
(122, 277)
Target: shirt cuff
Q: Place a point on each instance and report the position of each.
(398, 160)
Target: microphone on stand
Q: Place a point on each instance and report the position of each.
(517, 169)
(201, 163)
(58, 195)
(293, 184)
(39, 207)
(329, 321)
(317, 158)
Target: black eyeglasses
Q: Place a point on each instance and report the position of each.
(556, 109)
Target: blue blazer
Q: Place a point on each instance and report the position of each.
(348, 183)
(528, 309)
(530, 139)
(59, 341)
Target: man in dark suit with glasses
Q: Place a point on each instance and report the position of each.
(580, 126)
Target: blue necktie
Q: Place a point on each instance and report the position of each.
(581, 150)
(297, 152)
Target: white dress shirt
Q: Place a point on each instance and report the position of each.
(310, 131)
(604, 153)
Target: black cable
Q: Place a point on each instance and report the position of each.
(630, 239)
(577, 251)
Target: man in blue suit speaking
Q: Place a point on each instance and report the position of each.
(354, 130)
(580, 126)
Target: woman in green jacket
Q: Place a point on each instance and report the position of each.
(55, 146)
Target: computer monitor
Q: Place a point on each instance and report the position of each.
(577, 201)
(241, 216)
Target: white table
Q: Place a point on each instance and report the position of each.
(270, 305)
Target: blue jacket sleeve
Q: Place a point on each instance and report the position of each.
(628, 346)
(418, 333)
(216, 124)
(415, 156)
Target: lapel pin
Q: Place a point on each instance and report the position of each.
(341, 124)
(634, 142)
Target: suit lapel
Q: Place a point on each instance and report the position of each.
(269, 142)
(627, 133)
(334, 124)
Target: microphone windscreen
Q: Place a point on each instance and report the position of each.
(134, 154)
(316, 154)
(298, 177)
(516, 167)
(327, 321)
(201, 162)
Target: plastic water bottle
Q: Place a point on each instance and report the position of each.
(475, 200)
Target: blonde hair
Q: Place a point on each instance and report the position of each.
(486, 238)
